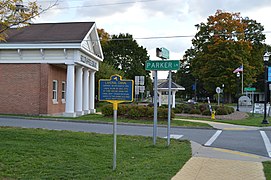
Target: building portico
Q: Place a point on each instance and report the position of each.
(81, 82)
(58, 66)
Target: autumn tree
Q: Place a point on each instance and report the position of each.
(221, 45)
(184, 77)
(104, 36)
(14, 13)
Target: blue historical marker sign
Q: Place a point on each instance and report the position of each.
(116, 89)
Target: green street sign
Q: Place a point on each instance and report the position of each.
(165, 65)
(165, 53)
(162, 53)
(249, 89)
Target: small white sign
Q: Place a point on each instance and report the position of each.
(142, 89)
(136, 90)
(259, 108)
(218, 90)
(136, 80)
(141, 80)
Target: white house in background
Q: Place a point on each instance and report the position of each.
(49, 68)
(163, 92)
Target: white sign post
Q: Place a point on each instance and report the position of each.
(218, 91)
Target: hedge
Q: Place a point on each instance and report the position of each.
(202, 109)
(136, 112)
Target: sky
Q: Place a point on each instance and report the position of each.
(172, 22)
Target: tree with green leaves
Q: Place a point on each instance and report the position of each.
(224, 43)
(124, 54)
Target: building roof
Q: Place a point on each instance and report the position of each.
(73, 32)
(165, 84)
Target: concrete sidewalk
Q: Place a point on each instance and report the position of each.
(215, 164)
(209, 163)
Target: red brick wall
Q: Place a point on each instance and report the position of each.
(56, 73)
(19, 88)
(44, 71)
(27, 88)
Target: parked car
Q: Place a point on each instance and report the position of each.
(191, 101)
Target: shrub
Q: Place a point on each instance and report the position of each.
(123, 109)
(221, 111)
(187, 108)
(230, 109)
(133, 113)
(107, 110)
(206, 112)
(137, 112)
(163, 114)
(203, 107)
(164, 106)
(178, 108)
(149, 112)
(195, 111)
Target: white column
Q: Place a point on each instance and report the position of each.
(79, 91)
(92, 92)
(86, 91)
(160, 98)
(173, 99)
(69, 109)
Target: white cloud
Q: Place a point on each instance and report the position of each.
(157, 18)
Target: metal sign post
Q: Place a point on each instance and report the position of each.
(155, 66)
(169, 109)
(115, 108)
(115, 91)
(155, 107)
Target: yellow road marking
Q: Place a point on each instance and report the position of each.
(236, 153)
(235, 129)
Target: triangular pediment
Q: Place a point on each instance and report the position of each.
(91, 43)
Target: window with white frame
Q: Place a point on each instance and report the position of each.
(55, 91)
(63, 91)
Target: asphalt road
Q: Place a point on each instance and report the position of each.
(248, 141)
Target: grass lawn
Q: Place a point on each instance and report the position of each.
(267, 169)
(48, 154)
(102, 118)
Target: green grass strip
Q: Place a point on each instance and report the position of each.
(252, 120)
(267, 169)
(48, 154)
(102, 118)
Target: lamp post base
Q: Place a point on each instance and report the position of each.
(265, 121)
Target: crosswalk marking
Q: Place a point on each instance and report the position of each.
(213, 138)
(266, 143)
(174, 136)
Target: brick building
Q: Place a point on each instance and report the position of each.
(49, 69)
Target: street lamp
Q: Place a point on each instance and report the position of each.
(265, 60)
(238, 76)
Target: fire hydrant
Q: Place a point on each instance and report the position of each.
(213, 115)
